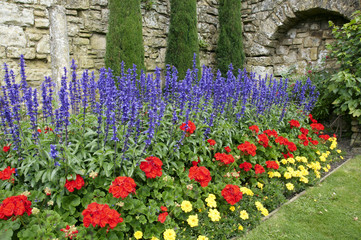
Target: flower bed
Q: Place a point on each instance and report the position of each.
(201, 158)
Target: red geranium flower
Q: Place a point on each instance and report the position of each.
(15, 206)
(272, 165)
(39, 130)
(263, 140)
(232, 194)
(314, 142)
(6, 173)
(324, 137)
(122, 187)
(294, 123)
(312, 119)
(101, 214)
(164, 209)
(271, 133)
(152, 167)
(281, 140)
(6, 148)
(303, 139)
(246, 166)
(200, 174)
(254, 128)
(287, 155)
(258, 169)
(190, 128)
(304, 131)
(228, 149)
(317, 126)
(195, 163)
(162, 217)
(211, 142)
(225, 158)
(247, 148)
(291, 146)
(78, 183)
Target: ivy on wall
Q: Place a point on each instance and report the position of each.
(182, 36)
(230, 46)
(124, 37)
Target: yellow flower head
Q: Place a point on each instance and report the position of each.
(138, 235)
(169, 234)
(240, 228)
(232, 208)
(290, 186)
(264, 212)
(244, 215)
(186, 206)
(271, 174)
(284, 161)
(291, 160)
(259, 185)
(154, 238)
(200, 237)
(258, 205)
(277, 174)
(193, 220)
(338, 151)
(304, 179)
(287, 175)
(246, 191)
(214, 215)
(211, 201)
(35, 211)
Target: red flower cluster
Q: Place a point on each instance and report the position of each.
(317, 126)
(263, 140)
(294, 123)
(6, 173)
(247, 148)
(163, 216)
(272, 165)
(324, 137)
(304, 131)
(15, 205)
(70, 231)
(232, 194)
(225, 158)
(6, 148)
(152, 167)
(258, 169)
(101, 214)
(287, 155)
(200, 174)
(271, 133)
(190, 128)
(228, 149)
(48, 129)
(195, 163)
(246, 166)
(284, 141)
(122, 187)
(211, 142)
(304, 139)
(254, 128)
(312, 119)
(78, 183)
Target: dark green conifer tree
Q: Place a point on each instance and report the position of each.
(124, 37)
(182, 36)
(230, 46)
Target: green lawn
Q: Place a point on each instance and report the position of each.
(330, 210)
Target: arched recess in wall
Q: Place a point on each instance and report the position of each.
(302, 42)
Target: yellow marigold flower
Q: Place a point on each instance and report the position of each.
(259, 185)
(291, 160)
(284, 161)
(193, 220)
(325, 169)
(244, 215)
(138, 235)
(322, 158)
(271, 174)
(169, 234)
(232, 208)
(154, 238)
(328, 166)
(338, 151)
(318, 152)
(211, 196)
(240, 228)
(35, 211)
(304, 179)
(258, 205)
(200, 237)
(341, 157)
(290, 186)
(186, 206)
(264, 212)
(246, 191)
(301, 167)
(277, 174)
(287, 175)
(214, 215)
(318, 175)
(211, 201)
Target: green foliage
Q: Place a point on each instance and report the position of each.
(124, 37)
(230, 46)
(182, 36)
(347, 50)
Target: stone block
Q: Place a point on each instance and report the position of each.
(2, 52)
(327, 34)
(315, 26)
(355, 129)
(15, 52)
(287, 41)
(81, 41)
(280, 70)
(259, 61)
(297, 41)
(43, 45)
(311, 42)
(86, 63)
(291, 57)
(34, 36)
(303, 34)
(98, 41)
(314, 54)
(269, 27)
(262, 71)
(71, 12)
(77, 4)
(41, 56)
(73, 29)
(257, 50)
(48, 3)
(42, 23)
(12, 36)
(26, 1)
(291, 33)
(11, 14)
(39, 13)
(99, 2)
(282, 50)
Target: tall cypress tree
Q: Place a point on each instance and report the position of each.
(230, 46)
(182, 36)
(124, 37)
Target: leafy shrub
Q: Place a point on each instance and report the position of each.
(124, 37)
(183, 35)
(204, 157)
(230, 46)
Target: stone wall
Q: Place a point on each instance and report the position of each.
(278, 34)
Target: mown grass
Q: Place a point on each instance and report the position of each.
(330, 210)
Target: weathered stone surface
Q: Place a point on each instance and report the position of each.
(99, 2)
(258, 50)
(314, 54)
(26, 1)
(77, 4)
(282, 50)
(11, 14)
(42, 23)
(81, 41)
(43, 45)
(98, 41)
(48, 3)
(12, 36)
(262, 71)
(2, 52)
(15, 52)
(311, 42)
